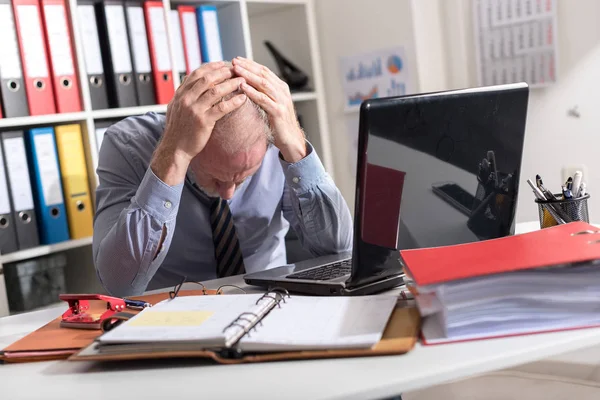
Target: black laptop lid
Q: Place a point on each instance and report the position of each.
(435, 169)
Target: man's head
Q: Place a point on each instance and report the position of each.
(235, 150)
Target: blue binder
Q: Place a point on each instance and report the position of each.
(47, 185)
(210, 36)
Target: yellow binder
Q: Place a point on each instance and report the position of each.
(74, 174)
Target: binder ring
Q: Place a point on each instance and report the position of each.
(144, 78)
(80, 205)
(13, 85)
(125, 79)
(237, 287)
(96, 81)
(278, 297)
(250, 313)
(39, 84)
(54, 212)
(4, 223)
(66, 83)
(25, 217)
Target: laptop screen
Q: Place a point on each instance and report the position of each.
(437, 169)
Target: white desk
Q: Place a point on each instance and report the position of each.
(355, 378)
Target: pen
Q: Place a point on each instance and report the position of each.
(136, 304)
(566, 192)
(536, 191)
(548, 194)
(582, 189)
(577, 178)
(557, 215)
(569, 183)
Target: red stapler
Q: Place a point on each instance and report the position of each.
(79, 314)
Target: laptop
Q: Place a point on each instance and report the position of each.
(433, 169)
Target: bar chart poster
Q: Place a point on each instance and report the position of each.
(516, 41)
(381, 73)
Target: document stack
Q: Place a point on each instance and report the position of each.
(547, 280)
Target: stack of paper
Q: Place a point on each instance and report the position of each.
(536, 282)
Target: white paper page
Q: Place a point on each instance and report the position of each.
(4, 200)
(177, 41)
(48, 164)
(91, 43)
(100, 136)
(117, 35)
(307, 322)
(139, 38)
(33, 41)
(196, 319)
(159, 37)
(58, 37)
(190, 29)
(18, 173)
(213, 38)
(10, 61)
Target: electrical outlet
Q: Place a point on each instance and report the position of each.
(569, 171)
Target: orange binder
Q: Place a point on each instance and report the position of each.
(51, 342)
(160, 57)
(34, 56)
(59, 45)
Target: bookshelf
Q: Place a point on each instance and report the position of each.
(244, 26)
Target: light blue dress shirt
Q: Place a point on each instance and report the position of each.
(133, 205)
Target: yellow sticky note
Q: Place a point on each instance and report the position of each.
(171, 318)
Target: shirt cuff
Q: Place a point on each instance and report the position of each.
(304, 174)
(157, 198)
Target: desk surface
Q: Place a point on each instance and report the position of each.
(358, 378)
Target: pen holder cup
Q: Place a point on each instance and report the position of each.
(554, 212)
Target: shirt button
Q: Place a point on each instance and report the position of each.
(295, 179)
(168, 204)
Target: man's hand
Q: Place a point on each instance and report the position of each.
(271, 93)
(191, 117)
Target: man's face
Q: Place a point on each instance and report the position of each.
(220, 174)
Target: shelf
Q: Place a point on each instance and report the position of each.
(304, 96)
(44, 250)
(49, 119)
(127, 111)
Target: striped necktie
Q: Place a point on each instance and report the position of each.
(227, 247)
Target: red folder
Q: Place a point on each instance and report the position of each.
(548, 247)
(59, 45)
(160, 58)
(34, 56)
(190, 38)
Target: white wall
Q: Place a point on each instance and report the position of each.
(348, 27)
(438, 35)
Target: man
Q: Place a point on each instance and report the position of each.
(211, 189)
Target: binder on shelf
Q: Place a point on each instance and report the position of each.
(116, 55)
(47, 192)
(19, 188)
(159, 51)
(92, 55)
(8, 233)
(62, 65)
(12, 88)
(74, 174)
(138, 43)
(191, 40)
(177, 43)
(34, 57)
(210, 36)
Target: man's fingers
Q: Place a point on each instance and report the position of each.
(260, 98)
(256, 68)
(217, 111)
(260, 83)
(206, 81)
(215, 93)
(191, 79)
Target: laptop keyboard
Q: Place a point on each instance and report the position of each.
(325, 272)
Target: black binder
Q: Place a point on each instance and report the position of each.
(12, 89)
(140, 53)
(88, 26)
(8, 233)
(116, 53)
(19, 188)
